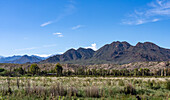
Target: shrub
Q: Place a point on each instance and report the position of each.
(34, 69)
(157, 86)
(72, 92)
(168, 84)
(121, 83)
(129, 89)
(58, 90)
(2, 69)
(20, 70)
(150, 83)
(58, 69)
(136, 82)
(92, 92)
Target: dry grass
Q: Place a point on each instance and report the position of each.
(85, 87)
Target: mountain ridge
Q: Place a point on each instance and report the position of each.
(116, 52)
(18, 59)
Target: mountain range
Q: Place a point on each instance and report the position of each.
(115, 53)
(21, 59)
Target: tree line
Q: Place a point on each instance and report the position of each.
(58, 70)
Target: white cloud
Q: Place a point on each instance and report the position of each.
(58, 34)
(33, 48)
(93, 46)
(46, 23)
(155, 11)
(76, 27)
(155, 20)
(43, 55)
(60, 52)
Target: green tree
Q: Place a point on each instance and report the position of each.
(21, 70)
(141, 72)
(136, 72)
(2, 69)
(146, 71)
(58, 69)
(34, 69)
(89, 72)
(81, 71)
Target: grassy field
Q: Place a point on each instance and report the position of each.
(80, 88)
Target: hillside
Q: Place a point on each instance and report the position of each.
(9, 59)
(114, 53)
(26, 59)
(152, 66)
(71, 55)
(21, 59)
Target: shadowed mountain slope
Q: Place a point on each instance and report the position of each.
(9, 59)
(71, 55)
(21, 59)
(116, 52)
(26, 59)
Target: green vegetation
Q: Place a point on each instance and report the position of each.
(83, 71)
(20, 70)
(34, 69)
(59, 69)
(88, 88)
(28, 82)
(2, 69)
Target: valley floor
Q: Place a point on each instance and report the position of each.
(88, 88)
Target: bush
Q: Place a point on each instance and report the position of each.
(157, 86)
(58, 69)
(150, 83)
(72, 92)
(34, 69)
(58, 90)
(129, 89)
(20, 70)
(121, 83)
(135, 82)
(168, 84)
(92, 92)
(2, 69)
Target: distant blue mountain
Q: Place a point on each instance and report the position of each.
(21, 59)
(1, 57)
(9, 59)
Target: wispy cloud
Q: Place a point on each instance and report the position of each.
(76, 27)
(93, 46)
(26, 49)
(153, 12)
(58, 34)
(33, 48)
(69, 9)
(46, 23)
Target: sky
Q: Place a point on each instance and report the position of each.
(48, 27)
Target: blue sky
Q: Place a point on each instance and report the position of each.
(45, 27)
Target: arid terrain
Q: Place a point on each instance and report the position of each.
(86, 88)
(152, 66)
